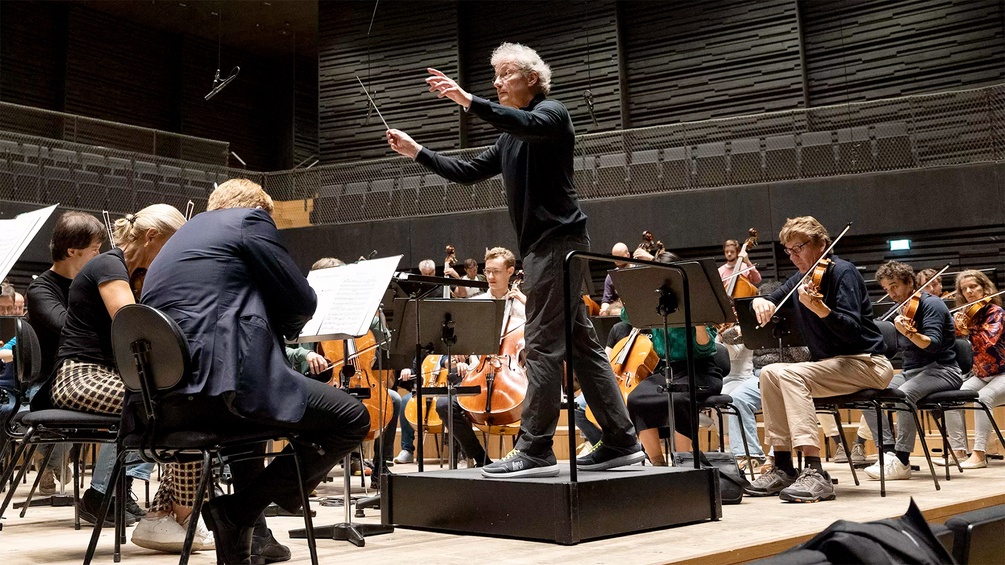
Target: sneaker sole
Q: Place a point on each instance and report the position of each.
(888, 477)
(549, 471)
(165, 547)
(809, 500)
(630, 459)
(756, 493)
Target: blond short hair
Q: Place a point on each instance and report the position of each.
(807, 226)
(326, 263)
(163, 218)
(501, 253)
(240, 193)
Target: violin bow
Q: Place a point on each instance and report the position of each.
(811, 269)
(913, 294)
(958, 308)
(108, 227)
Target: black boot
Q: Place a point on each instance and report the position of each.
(264, 547)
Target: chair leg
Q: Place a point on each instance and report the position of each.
(991, 418)
(924, 445)
(305, 501)
(76, 493)
(202, 491)
(38, 478)
(106, 501)
(882, 455)
(722, 432)
(844, 444)
(20, 454)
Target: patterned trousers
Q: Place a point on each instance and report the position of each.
(97, 389)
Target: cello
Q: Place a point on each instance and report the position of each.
(353, 369)
(501, 377)
(633, 359)
(737, 284)
(432, 376)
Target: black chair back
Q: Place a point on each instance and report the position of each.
(27, 356)
(721, 360)
(890, 333)
(964, 355)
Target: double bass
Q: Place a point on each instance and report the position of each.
(353, 369)
(737, 284)
(501, 377)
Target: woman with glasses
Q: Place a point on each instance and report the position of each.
(846, 355)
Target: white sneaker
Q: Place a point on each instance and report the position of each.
(162, 534)
(404, 457)
(894, 471)
(202, 534)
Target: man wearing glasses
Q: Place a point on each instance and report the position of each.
(846, 351)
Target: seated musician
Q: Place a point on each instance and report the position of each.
(737, 261)
(610, 303)
(647, 403)
(470, 274)
(984, 330)
(929, 365)
(234, 290)
(927, 281)
(846, 349)
(85, 378)
(741, 372)
(499, 266)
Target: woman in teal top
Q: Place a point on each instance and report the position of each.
(647, 403)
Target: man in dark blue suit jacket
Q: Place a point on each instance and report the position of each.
(236, 292)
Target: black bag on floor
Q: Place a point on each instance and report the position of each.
(731, 480)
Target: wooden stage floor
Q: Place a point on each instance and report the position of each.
(754, 529)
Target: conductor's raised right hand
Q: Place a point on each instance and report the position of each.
(402, 143)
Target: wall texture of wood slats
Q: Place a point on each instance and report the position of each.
(869, 49)
(406, 38)
(694, 61)
(31, 53)
(577, 39)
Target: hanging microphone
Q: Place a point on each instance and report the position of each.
(219, 84)
(588, 96)
(372, 254)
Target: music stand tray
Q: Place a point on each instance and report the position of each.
(638, 286)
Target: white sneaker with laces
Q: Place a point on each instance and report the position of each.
(404, 457)
(162, 533)
(894, 469)
(202, 534)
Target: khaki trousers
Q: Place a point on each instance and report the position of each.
(788, 389)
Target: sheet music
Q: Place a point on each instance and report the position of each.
(348, 297)
(17, 234)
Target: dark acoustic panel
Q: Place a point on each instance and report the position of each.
(694, 61)
(32, 36)
(870, 49)
(405, 39)
(578, 40)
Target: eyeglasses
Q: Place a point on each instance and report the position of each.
(796, 248)
(493, 272)
(505, 76)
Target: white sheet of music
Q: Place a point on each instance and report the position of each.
(348, 298)
(17, 234)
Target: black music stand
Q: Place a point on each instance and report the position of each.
(679, 294)
(445, 326)
(780, 332)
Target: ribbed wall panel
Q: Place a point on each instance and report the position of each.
(576, 39)
(869, 49)
(694, 61)
(407, 37)
(31, 62)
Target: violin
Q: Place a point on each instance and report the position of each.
(136, 282)
(815, 274)
(816, 279)
(432, 376)
(964, 314)
(501, 377)
(356, 372)
(909, 308)
(633, 359)
(738, 284)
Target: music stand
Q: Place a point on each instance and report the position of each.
(653, 298)
(445, 326)
(780, 332)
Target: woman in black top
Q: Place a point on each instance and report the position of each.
(85, 377)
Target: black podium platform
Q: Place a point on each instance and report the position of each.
(601, 504)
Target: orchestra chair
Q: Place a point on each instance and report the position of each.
(152, 357)
(507, 430)
(46, 427)
(891, 399)
(977, 535)
(937, 403)
(723, 404)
